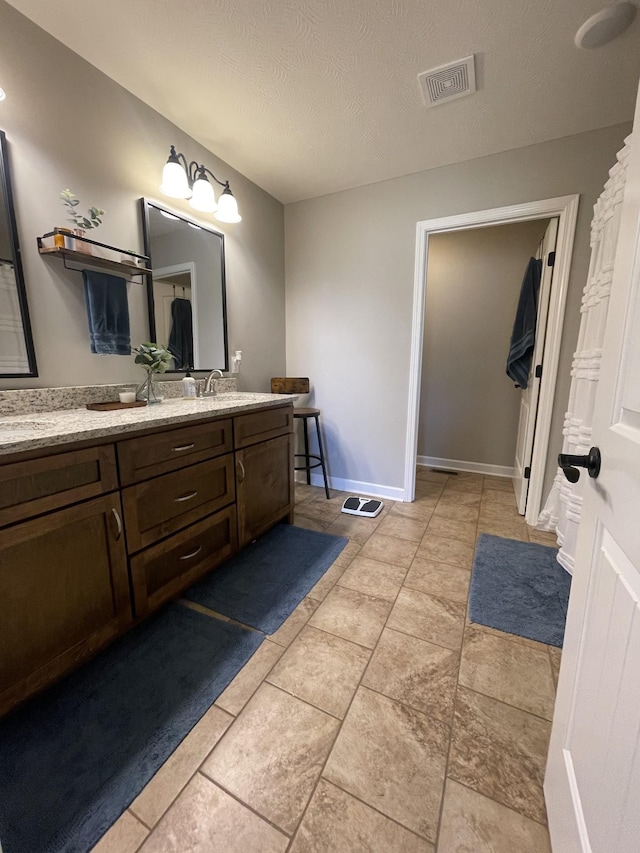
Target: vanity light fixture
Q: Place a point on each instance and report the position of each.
(181, 179)
(3, 94)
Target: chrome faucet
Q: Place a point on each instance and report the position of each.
(209, 387)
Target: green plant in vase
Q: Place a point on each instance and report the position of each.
(81, 224)
(154, 359)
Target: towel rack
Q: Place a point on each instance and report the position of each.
(80, 250)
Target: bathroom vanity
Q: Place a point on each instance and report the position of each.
(106, 516)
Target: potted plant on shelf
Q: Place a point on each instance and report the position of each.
(81, 223)
(154, 359)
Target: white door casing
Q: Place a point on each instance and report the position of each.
(566, 209)
(529, 397)
(592, 783)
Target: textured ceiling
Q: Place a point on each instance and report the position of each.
(306, 97)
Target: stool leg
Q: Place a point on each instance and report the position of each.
(306, 449)
(324, 470)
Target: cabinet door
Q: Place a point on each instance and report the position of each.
(264, 486)
(64, 592)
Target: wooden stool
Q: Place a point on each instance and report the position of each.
(300, 385)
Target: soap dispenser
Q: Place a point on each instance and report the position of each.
(188, 386)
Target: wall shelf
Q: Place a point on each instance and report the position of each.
(90, 253)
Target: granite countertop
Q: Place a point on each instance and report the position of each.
(33, 431)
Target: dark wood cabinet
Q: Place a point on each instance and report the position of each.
(78, 567)
(264, 485)
(64, 593)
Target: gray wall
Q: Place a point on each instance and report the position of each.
(469, 408)
(68, 125)
(349, 268)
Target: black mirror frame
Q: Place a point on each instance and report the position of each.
(5, 178)
(146, 236)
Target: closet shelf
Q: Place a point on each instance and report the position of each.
(90, 253)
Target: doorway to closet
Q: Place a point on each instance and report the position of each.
(533, 413)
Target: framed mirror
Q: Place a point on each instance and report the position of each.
(186, 290)
(17, 355)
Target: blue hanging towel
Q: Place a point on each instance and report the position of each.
(107, 312)
(523, 336)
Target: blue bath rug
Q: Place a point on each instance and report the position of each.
(263, 584)
(76, 756)
(520, 588)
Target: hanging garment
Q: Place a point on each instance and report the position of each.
(181, 335)
(107, 313)
(523, 336)
(563, 510)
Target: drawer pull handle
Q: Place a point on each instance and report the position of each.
(192, 554)
(241, 470)
(183, 447)
(118, 522)
(185, 497)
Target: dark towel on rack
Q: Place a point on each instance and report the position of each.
(524, 326)
(181, 336)
(108, 313)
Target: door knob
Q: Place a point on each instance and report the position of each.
(570, 464)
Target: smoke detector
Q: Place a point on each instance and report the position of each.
(447, 82)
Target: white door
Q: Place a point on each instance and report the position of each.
(592, 783)
(531, 394)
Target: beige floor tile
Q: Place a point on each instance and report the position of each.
(455, 485)
(205, 818)
(352, 615)
(429, 489)
(326, 583)
(419, 510)
(503, 635)
(393, 758)
(402, 528)
(292, 626)
(555, 656)
(458, 512)
(497, 484)
(322, 669)
(450, 528)
(301, 520)
(350, 550)
(381, 580)
(305, 493)
(431, 474)
(508, 671)
(439, 579)
(439, 549)
(542, 537)
(414, 672)
(499, 496)
(472, 823)
(389, 549)
(335, 822)
(125, 836)
(426, 617)
(156, 797)
(273, 754)
(326, 512)
(460, 498)
(499, 512)
(500, 752)
(508, 528)
(358, 529)
(250, 677)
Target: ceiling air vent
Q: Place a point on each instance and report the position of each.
(447, 82)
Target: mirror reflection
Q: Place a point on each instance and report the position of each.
(186, 291)
(17, 356)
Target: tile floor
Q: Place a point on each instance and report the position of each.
(377, 718)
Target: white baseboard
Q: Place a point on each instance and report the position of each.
(471, 467)
(355, 487)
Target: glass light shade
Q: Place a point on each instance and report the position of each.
(203, 198)
(227, 207)
(174, 181)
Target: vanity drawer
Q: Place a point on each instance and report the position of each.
(162, 571)
(255, 427)
(37, 486)
(159, 507)
(152, 455)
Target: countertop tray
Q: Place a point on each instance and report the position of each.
(108, 407)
